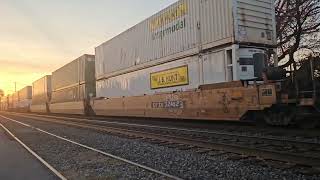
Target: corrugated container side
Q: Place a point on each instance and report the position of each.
(80, 86)
(4, 103)
(66, 95)
(209, 68)
(81, 68)
(138, 83)
(68, 75)
(9, 101)
(15, 100)
(185, 28)
(86, 68)
(24, 104)
(217, 26)
(160, 36)
(74, 73)
(41, 90)
(256, 21)
(25, 93)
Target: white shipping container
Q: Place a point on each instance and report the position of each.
(74, 73)
(184, 29)
(207, 69)
(41, 90)
(25, 98)
(15, 100)
(214, 66)
(25, 93)
(67, 75)
(74, 81)
(9, 98)
(4, 106)
(4, 103)
(24, 104)
(138, 82)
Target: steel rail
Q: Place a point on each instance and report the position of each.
(96, 150)
(238, 149)
(247, 137)
(39, 158)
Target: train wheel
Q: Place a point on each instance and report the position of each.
(308, 118)
(255, 117)
(277, 117)
(308, 123)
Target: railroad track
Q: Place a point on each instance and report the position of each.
(311, 135)
(59, 174)
(284, 150)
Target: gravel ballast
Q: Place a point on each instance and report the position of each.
(73, 161)
(186, 164)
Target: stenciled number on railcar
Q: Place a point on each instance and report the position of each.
(172, 104)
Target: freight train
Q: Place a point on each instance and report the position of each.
(200, 60)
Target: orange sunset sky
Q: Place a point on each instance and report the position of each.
(39, 36)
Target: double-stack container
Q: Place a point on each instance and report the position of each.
(15, 101)
(41, 95)
(25, 99)
(1, 103)
(73, 85)
(9, 100)
(4, 103)
(214, 40)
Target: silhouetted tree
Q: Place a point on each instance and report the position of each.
(298, 27)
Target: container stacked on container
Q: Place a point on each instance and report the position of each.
(187, 45)
(4, 103)
(1, 103)
(25, 99)
(15, 101)
(41, 95)
(9, 100)
(72, 85)
(208, 37)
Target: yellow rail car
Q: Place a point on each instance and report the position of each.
(225, 101)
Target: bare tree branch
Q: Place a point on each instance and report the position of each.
(298, 27)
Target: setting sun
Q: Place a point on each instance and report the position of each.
(39, 37)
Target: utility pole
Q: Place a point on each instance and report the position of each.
(15, 86)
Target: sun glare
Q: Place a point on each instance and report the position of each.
(10, 82)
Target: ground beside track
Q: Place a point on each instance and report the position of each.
(18, 163)
(182, 163)
(73, 161)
